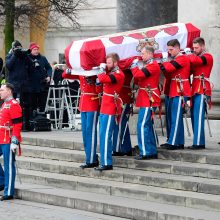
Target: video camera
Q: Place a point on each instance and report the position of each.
(21, 52)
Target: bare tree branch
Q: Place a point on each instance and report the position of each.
(37, 11)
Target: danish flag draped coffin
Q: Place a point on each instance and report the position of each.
(83, 56)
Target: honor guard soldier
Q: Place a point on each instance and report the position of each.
(178, 71)
(148, 98)
(10, 137)
(121, 135)
(89, 108)
(111, 107)
(166, 91)
(201, 66)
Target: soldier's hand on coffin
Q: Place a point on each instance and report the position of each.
(164, 57)
(68, 71)
(134, 63)
(187, 51)
(102, 68)
(97, 82)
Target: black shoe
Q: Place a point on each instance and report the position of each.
(196, 147)
(122, 153)
(170, 147)
(146, 157)
(2, 188)
(162, 145)
(89, 165)
(102, 167)
(180, 146)
(7, 198)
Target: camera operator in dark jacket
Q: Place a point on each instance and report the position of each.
(18, 67)
(41, 72)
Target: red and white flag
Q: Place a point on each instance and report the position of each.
(83, 56)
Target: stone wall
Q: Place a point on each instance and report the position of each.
(98, 19)
(205, 15)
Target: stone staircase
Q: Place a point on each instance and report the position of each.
(180, 185)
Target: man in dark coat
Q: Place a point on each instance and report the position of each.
(18, 66)
(41, 72)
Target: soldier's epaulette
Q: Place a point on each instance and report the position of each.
(14, 101)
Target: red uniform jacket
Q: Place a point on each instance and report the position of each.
(147, 77)
(112, 84)
(89, 100)
(125, 93)
(10, 121)
(201, 64)
(180, 66)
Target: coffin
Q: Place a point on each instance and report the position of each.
(84, 56)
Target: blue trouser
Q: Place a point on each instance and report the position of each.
(145, 132)
(198, 118)
(121, 134)
(7, 177)
(166, 100)
(107, 124)
(89, 131)
(175, 112)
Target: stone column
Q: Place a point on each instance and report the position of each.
(213, 41)
(145, 13)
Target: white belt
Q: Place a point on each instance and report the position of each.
(180, 80)
(200, 77)
(145, 88)
(88, 93)
(6, 127)
(111, 95)
(150, 89)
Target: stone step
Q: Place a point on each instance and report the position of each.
(121, 189)
(140, 177)
(159, 165)
(110, 204)
(209, 155)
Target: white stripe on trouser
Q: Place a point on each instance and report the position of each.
(119, 130)
(106, 140)
(93, 137)
(200, 120)
(10, 172)
(177, 120)
(142, 131)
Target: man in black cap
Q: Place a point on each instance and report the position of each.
(18, 65)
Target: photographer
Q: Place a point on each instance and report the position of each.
(18, 67)
(41, 72)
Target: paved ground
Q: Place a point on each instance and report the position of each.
(24, 210)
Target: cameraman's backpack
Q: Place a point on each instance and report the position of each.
(40, 122)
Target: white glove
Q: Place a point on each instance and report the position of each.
(188, 103)
(97, 82)
(134, 63)
(164, 57)
(68, 71)
(13, 147)
(102, 68)
(187, 51)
